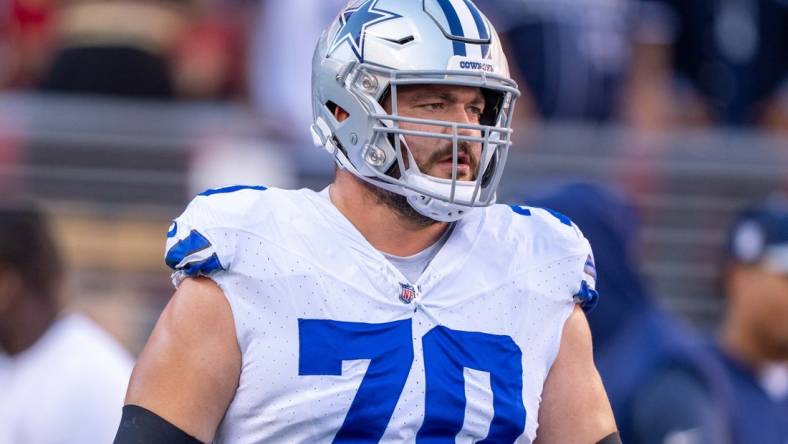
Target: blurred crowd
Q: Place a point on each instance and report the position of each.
(147, 49)
(648, 63)
(652, 65)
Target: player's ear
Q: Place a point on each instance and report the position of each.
(340, 114)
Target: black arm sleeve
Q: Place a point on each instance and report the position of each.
(141, 426)
(612, 438)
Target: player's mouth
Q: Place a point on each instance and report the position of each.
(463, 165)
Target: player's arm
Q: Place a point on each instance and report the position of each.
(188, 371)
(575, 408)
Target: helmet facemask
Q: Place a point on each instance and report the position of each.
(388, 162)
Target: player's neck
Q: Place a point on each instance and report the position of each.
(383, 227)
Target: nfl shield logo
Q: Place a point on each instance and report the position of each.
(407, 293)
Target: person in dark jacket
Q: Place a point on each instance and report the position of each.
(662, 386)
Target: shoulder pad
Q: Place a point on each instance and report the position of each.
(545, 236)
(201, 241)
(551, 228)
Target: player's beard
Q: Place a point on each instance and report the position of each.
(399, 203)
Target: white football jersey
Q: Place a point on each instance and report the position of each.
(337, 346)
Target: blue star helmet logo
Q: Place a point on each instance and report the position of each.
(354, 25)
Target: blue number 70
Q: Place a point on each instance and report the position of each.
(324, 344)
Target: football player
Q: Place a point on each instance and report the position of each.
(399, 304)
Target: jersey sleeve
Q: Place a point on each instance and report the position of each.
(193, 247)
(583, 269)
(586, 295)
(556, 239)
(201, 241)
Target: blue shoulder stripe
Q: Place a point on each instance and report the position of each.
(204, 267)
(193, 243)
(564, 219)
(527, 212)
(232, 189)
(520, 210)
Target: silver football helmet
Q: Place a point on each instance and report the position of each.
(375, 46)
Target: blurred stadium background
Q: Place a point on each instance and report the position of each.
(114, 123)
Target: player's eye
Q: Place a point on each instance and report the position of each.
(475, 110)
(434, 106)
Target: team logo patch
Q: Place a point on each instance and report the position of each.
(173, 230)
(407, 293)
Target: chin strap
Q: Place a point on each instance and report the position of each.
(436, 209)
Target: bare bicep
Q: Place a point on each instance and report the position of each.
(188, 371)
(574, 407)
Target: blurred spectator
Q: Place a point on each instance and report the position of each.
(281, 61)
(62, 378)
(662, 387)
(703, 62)
(753, 344)
(6, 67)
(119, 47)
(25, 41)
(210, 57)
(10, 159)
(572, 55)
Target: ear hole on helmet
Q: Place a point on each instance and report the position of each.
(490, 171)
(337, 112)
(384, 98)
(493, 102)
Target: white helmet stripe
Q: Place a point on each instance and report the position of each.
(467, 22)
(468, 27)
(455, 26)
(481, 26)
